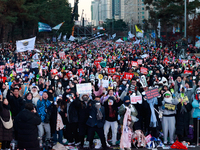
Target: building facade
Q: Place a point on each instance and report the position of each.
(106, 9)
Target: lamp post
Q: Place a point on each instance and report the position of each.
(185, 31)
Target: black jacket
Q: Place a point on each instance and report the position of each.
(114, 109)
(72, 111)
(92, 119)
(26, 124)
(16, 104)
(183, 119)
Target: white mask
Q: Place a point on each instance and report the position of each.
(59, 85)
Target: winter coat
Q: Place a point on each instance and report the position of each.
(5, 134)
(176, 86)
(26, 124)
(92, 119)
(72, 111)
(16, 104)
(114, 108)
(195, 105)
(183, 119)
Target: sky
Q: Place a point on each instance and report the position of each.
(83, 4)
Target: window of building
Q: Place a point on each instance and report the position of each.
(142, 17)
(142, 12)
(142, 8)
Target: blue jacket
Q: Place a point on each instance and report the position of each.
(195, 105)
(41, 108)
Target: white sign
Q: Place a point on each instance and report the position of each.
(143, 81)
(136, 99)
(21, 67)
(35, 56)
(34, 64)
(24, 45)
(105, 83)
(85, 88)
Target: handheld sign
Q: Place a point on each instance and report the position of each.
(152, 93)
(136, 99)
(100, 76)
(84, 88)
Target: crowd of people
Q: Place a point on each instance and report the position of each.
(70, 91)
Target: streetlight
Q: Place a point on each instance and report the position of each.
(185, 31)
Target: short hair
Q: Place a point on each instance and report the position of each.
(29, 106)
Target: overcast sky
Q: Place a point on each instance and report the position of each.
(83, 4)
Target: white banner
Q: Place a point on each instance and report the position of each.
(24, 45)
(85, 88)
(105, 83)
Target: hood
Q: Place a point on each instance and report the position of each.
(25, 115)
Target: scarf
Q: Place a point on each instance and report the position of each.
(152, 102)
(99, 114)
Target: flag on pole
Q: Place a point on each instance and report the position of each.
(43, 27)
(58, 26)
(113, 36)
(24, 45)
(59, 37)
(137, 29)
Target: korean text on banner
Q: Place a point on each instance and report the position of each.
(152, 93)
(134, 63)
(144, 70)
(85, 88)
(105, 83)
(136, 99)
(62, 55)
(24, 45)
(111, 70)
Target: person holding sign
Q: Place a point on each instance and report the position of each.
(169, 113)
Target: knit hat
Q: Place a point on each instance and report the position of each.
(126, 98)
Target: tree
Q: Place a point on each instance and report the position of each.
(169, 12)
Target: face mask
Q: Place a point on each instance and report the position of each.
(85, 98)
(98, 103)
(124, 82)
(59, 85)
(127, 103)
(65, 79)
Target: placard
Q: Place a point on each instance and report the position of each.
(105, 83)
(2, 68)
(134, 63)
(128, 76)
(111, 70)
(144, 70)
(80, 71)
(187, 72)
(143, 81)
(152, 93)
(62, 55)
(136, 99)
(100, 58)
(21, 67)
(84, 88)
(139, 61)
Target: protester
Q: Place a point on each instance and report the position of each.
(122, 75)
(26, 123)
(5, 130)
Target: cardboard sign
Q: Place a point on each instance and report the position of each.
(184, 99)
(134, 63)
(136, 99)
(139, 61)
(85, 88)
(128, 76)
(62, 55)
(111, 70)
(152, 93)
(143, 70)
(170, 106)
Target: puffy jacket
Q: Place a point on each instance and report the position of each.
(195, 105)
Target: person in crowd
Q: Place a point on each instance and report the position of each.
(6, 134)
(96, 122)
(26, 123)
(169, 113)
(44, 111)
(36, 96)
(111, 110)
(28, 98)
(196, 114)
